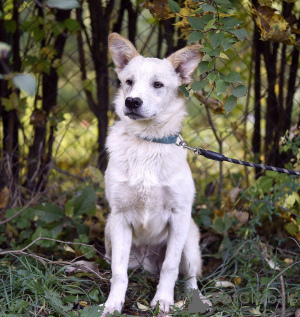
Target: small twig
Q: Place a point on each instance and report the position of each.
(67, 173)
(282, 296)
(45, 260)
(62, 263)
(33, 200)
(220, 142)
(274, 205)
(283, 251)
(40, 310)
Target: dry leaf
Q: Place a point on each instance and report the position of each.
(255, 312)
(272, 264)
(81, 266)
(224, 284)
(215, 105)
(273, 27)
(69, 249)
(142, 307)
(241, 216)
(4, 195)
(180, 304)
(237, 280)
(289, 261)
(159, 9)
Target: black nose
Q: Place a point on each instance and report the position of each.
(133, 103)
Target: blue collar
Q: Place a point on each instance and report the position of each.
(165, 140)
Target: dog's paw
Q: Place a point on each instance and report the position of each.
(165, 303)
(110, 307)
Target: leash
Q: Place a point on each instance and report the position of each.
(221, 158)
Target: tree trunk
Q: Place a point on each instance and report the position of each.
(256, 140)
(272, 113)
(100, 18)
(9, 168)
(38, 159)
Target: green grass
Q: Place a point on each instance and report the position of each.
(31, 288)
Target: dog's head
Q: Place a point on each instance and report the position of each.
(149, 86)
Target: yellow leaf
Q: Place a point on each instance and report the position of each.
(289, 261)
(255, 312)
(69, 249)
(273, 26)
(180, 304)
(223, 55)
(159, 9)
(237, 280)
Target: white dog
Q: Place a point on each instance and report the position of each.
(149, 184)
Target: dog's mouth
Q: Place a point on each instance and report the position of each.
(133, 115)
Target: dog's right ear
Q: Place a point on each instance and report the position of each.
(121, 50)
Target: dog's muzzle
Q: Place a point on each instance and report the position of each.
(132, 108)
(133, 103)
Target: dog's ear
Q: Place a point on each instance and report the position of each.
(185, 61)
(121, 50)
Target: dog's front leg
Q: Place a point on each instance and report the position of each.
(121, 238)
(178, 231)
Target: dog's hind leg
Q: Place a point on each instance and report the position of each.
(191, 263)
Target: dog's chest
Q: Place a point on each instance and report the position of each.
(149, 217)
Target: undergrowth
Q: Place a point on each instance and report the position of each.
(251, 255)
(32, 288)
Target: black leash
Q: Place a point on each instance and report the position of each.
(220, 157)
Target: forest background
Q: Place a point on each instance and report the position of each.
(57, 86)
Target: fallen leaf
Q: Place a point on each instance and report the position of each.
(289, 261)
(180, 304)
(237, 280)
(255, 311)
(241, 216)
(224, 284)
(142, 307)
(81, 266)
(272, 264)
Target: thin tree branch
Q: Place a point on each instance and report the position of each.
(32, 201)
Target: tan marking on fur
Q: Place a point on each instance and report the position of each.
(121, 50)
(182, 61)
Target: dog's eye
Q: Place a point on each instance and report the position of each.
(157, 84)
(129, 82)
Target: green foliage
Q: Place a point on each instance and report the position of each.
(274, 198)
(27, 286)
(51, 221)
(222, 225)
(210, 22)
(174, 6)
(230, 103)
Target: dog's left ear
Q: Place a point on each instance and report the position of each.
(185, 61)
(121, 50)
